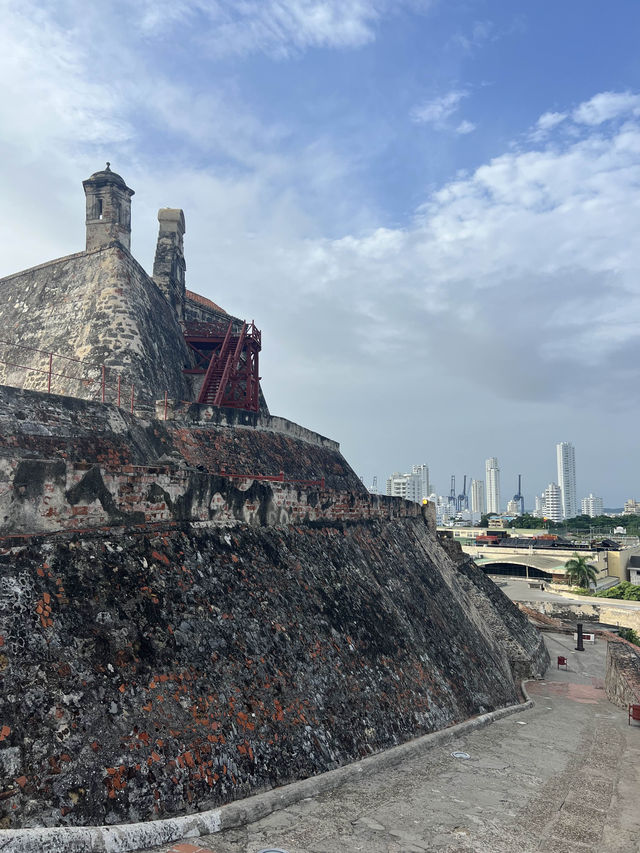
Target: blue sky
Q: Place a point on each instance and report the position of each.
(430, 208)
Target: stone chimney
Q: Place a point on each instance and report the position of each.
(169, 266)
(108, 210)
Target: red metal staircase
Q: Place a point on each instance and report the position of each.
(229, 362)
(212, 384)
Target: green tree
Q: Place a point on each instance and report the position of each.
(528, 522)
(630, 635)
(579, 572)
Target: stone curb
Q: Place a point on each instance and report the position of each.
(136, 836)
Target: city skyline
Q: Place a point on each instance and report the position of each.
(564, 460)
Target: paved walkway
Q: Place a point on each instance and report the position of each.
(519, 590)
(563, 777)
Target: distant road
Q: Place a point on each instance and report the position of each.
(518, 590)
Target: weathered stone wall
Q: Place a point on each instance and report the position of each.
(43, 425)
(259, 632)
(40, 495)
(622, 680)
(102, 308)
(73, 464)
(147, 673)
(197, 414)
(496, 612)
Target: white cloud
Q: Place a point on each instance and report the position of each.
(277, 27)
(549, 120)
(479, 34)
(525, 269)
(48, 95)
(606, 106)
(465, 127)
(438, 110)
(546, 123)
(539, 249)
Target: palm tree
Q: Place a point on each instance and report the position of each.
(579, 572)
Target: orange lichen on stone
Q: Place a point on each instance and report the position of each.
(162, 557)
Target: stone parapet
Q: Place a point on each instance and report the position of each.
(622, 680)
(68, 464)
(49, 495)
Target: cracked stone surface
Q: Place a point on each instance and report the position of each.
(567, 781)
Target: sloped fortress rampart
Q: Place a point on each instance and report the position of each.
(200, 600)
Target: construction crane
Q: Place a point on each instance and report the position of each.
(519, 499)
(463, 499)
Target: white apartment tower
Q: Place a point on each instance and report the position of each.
(478, 502)
(413, 487)
(397, 485)
(553, 502)
(418, 487)
(566, 456)
(493, 484)
(592, 506)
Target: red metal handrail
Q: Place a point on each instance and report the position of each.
(230, 365)
(101, 370)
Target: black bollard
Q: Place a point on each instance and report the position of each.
(580, 646)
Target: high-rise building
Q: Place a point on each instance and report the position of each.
(566, 457)
(414, 486)
(493, 484)
(592, 506)
(539, 510)
(418, 486)
(478, 502)
(397, 485)
(631, 507)
(552, 499)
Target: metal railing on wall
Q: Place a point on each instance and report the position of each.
(97, 382)
(106, 385)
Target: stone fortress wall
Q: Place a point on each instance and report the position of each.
(69, 464)
(151, 668)
(99, 307)
(207, 603)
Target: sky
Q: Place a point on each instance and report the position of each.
(431, 209)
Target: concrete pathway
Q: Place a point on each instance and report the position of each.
(563, 777)
(518, 590)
